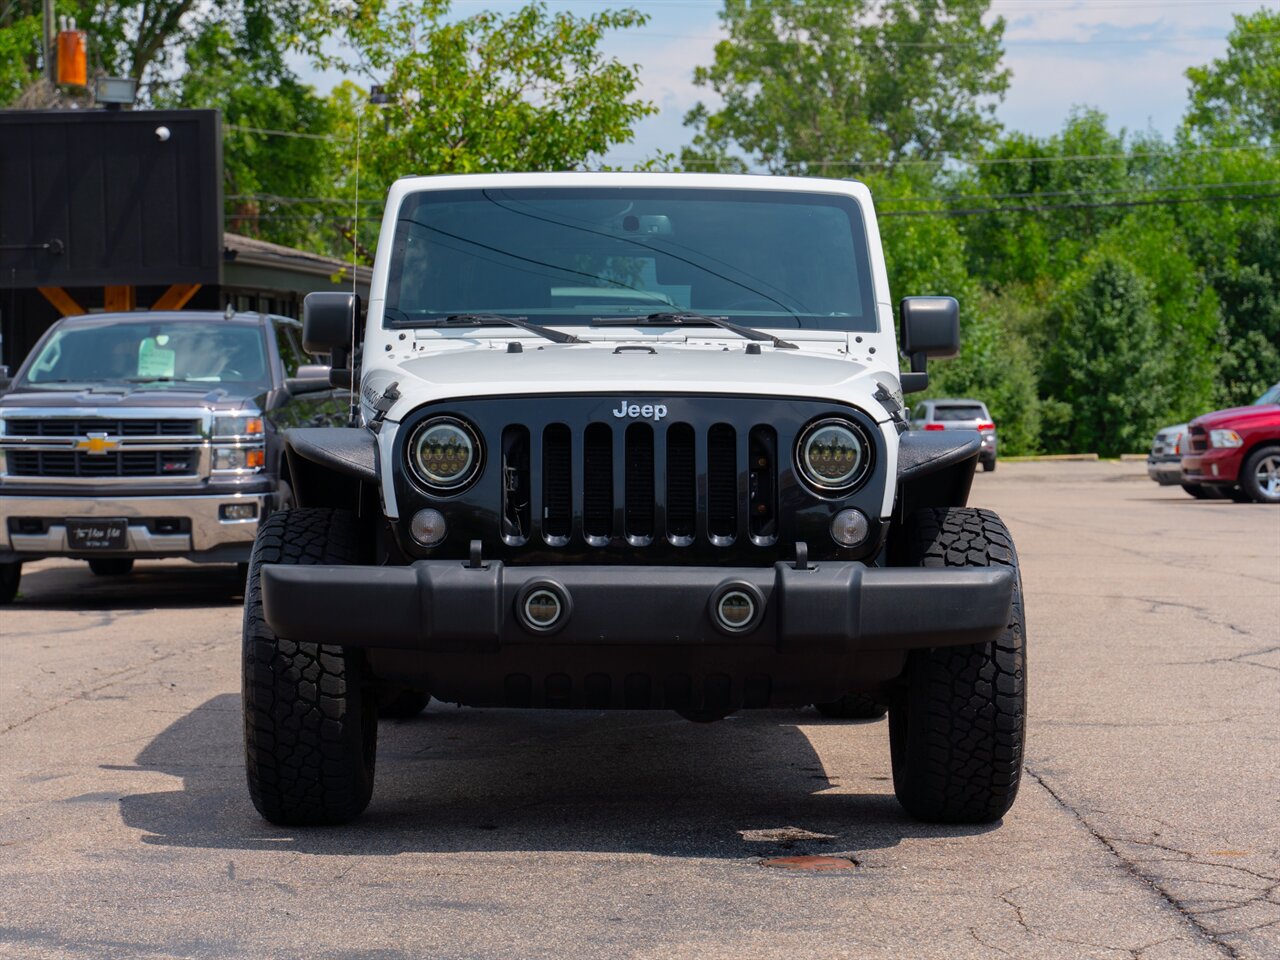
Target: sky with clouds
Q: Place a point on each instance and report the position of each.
(1125, 57)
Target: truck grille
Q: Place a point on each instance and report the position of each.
(125, 463)
(1199, 439)
(83, 426)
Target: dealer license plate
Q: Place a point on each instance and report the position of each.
(98, 534)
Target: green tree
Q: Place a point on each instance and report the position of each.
(1105, 364)
(487, 92)
(146, 39)
(276, 187)
(863, 81)
(1238, 97)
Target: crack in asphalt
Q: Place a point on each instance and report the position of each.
(110, 680)
(1202, 931)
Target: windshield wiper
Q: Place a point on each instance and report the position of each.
(163, 380)
(678, 318)
(479, 319)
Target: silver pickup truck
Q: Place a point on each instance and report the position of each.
(147, 435)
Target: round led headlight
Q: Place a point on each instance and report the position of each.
(444, 453)
(833, 456)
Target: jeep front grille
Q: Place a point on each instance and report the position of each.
(566, 479)
(614, 470)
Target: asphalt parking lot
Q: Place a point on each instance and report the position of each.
(1148, 826)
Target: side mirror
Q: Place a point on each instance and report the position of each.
(929, 327)
(328, 325)
(311, 378)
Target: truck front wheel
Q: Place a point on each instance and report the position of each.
(956, 731)
(310, 716)
(10, 574)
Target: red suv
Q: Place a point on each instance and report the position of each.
(1237, 451)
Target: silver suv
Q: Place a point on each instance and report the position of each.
(959, 415)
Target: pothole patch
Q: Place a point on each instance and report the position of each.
(783, 835)
(814, 864)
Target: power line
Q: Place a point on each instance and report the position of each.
(1039, 208)
(953, 198)
(986, 161)
(879, 43)
(283, 133)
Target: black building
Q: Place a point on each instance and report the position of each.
(122, 210)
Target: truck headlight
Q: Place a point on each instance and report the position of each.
(444, 454)
(237, 427)
(1224, 438)
(833, 455)
(239, 458)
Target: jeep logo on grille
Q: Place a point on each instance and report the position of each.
(649, 411)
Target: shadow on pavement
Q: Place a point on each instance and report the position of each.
(70, 584)
(458, 780)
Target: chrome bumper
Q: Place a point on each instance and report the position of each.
(208, 531)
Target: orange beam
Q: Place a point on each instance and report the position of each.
(176, 297)
(118, 299)
(62, 301)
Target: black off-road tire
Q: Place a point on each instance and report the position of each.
(853, 706)
(1250, 480)
(402, 704)
(10, 574)
(111, 566)
(310, 717)
(956, 732)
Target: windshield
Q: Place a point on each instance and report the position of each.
(568, 255)
(154, 353)
(1271, 396)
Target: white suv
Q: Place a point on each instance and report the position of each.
(632, 441)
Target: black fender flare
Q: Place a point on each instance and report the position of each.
(331, 466)
(935, 469)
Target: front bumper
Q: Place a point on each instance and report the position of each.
(1216, 466)
(449, 607)
(162, 526)
(1165, 472)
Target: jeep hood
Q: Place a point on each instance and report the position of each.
(631, 368)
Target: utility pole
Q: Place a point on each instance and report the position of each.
(50, 74)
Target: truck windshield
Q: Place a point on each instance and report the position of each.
(153, 353)
(1271, 396)
(566, 255)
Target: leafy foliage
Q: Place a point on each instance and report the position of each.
(487, 92)
(861, 81)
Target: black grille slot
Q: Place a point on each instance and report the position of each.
(722, 483)
(1199, 439)
(597, 483)
(557, 483)
(515, 485)
(83, 426)
(682, 484)
(762, 485)
(126, 463)
(638, 518)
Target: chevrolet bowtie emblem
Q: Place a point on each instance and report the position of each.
(97, 444)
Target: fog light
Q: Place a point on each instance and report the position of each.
(428, 527)
(543, 607)
(737, 607)
(232, 511)
(849, 528)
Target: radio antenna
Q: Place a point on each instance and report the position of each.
(355, 251)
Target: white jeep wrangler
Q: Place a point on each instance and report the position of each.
(632, 441)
